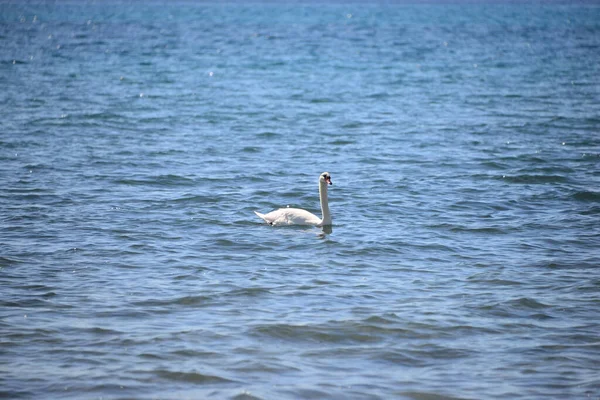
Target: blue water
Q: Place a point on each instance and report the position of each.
(136, 140)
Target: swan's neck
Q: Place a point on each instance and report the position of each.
(324, 204)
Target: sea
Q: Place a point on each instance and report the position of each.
(137, 138)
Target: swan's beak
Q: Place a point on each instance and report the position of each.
(328, 180)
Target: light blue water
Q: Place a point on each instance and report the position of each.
(137, 140)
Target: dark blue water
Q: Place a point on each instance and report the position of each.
(136, 140)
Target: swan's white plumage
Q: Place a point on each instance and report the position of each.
(298, 216)
(290, 216)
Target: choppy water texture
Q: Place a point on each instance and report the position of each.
(137, 139)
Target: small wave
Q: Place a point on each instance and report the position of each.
(428, 396)
(251, 149)
(321, 100)
(591, 211)
(199, 199)
(6, 393)
(494, 165)
(587, 196)
(523, 307)
(158, 180)
(184, 301)
(267, 135)
(397, 357)
(525, 302)
(6, 262)
(353, 125)
(272, 366)
(385, 319)
(195, 353)
(480, 229)
(378, 96)
(103, 116)
(151, 356)
(190, 377)
(31, 303)
(102, 331)
(158, 153)
(494, 282)
(535, 179)
(342, 142)
(311, 333)
(249, 292)
(13, 62)
(246, 396)
(541, 316)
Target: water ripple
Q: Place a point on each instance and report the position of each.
(136, 144)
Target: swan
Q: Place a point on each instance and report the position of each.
(298, 216)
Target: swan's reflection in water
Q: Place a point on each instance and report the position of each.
(326, 230)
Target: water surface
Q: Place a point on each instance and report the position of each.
(136, 142)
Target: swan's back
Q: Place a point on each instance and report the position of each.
(290, 216)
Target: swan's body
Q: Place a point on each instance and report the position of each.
(290, 216)
(298, 216)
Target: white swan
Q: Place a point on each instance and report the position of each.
(297, 216)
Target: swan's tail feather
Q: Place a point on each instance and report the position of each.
(262, 216)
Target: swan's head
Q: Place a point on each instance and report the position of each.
(325, 178)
